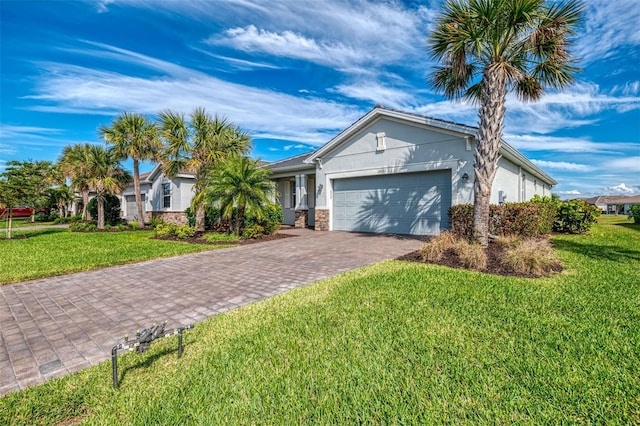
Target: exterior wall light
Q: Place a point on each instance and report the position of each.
(465, 177)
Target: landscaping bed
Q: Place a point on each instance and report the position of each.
(199, 238)
(495, 253)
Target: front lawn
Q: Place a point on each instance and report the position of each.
(393, 343)
(49, 252)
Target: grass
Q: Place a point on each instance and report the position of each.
(396, 342)
(49, 252)
(21, 223)
(217, 237)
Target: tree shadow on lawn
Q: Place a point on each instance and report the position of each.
(147, 362)
(21, 235)
(632, 226)
(598, 251)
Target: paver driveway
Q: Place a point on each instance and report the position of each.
(53, 326)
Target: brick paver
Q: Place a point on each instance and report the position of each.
(51, 327)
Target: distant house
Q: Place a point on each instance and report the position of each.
(396, 172)
(162, 196)
(614, 204)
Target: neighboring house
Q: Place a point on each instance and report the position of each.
(395, 172)
(614, 204)
(162, 196)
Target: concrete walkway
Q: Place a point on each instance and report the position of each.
(51, 327)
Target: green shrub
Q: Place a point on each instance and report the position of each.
(634, 213)
(133, 224)
(165, 230)
(575, 217)
(253, 231)
(270, 219)
(107, 227)
(211, 217)
(43, 217)
(184, 232)
(524, 219)
(91, 227)
(156, 220)
(111, 209)
(122, 227)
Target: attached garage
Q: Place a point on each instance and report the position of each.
(406, 203)
(132, 209)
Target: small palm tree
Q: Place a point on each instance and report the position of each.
(74, 163)
(238, 183)
(490, 47)
(133, 136)
(106, 176)
(198, 146)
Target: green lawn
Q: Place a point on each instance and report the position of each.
(49, 252)
(396, 342)
(20, 223)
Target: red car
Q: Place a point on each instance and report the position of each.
(21, 211)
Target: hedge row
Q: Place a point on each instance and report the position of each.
(540, 216)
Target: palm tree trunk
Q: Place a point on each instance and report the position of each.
(100, 198)
(85, 203)
(492, 110)
(200, 212)
(239, 219)
(10, 224)
(136, 188)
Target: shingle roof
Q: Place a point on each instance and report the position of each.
(290, 162)
(613, 199)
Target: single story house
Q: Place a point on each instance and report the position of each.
(396, 172)
(162, 196)
(614, 204)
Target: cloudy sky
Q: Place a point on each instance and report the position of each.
(294, 73)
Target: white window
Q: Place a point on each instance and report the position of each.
(166, 195)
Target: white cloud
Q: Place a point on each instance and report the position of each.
(609, 25)
(627, 164)
(570, 192)
(350, 36)
(620, 189)
(534, 143)
(562, 165)
(377, 93)
(264, 113)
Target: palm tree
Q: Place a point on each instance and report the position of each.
(133, 136)
(106, 176)
(198, 146)
(74, 164)
(239, 183)
(490, 47)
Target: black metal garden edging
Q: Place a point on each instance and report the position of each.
(143, 341)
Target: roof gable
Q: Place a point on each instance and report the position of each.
(434, 124)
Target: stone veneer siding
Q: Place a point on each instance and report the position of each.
(179, 218)
(322, 220)
(302, 218)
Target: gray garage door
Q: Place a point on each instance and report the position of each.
(132, 208)
(407, 203)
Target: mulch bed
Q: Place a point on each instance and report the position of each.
(198, 239)
(494, 266)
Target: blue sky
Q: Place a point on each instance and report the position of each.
(295, 73)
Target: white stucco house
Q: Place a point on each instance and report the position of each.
(162, 196)
(396, 172)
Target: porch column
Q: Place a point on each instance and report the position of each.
(302, 207)
(301, 193)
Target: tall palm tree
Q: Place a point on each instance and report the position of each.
(74, 165)
(239, 183)
(106, 176)
(490, 47)
(198, 146)
(133, 136)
